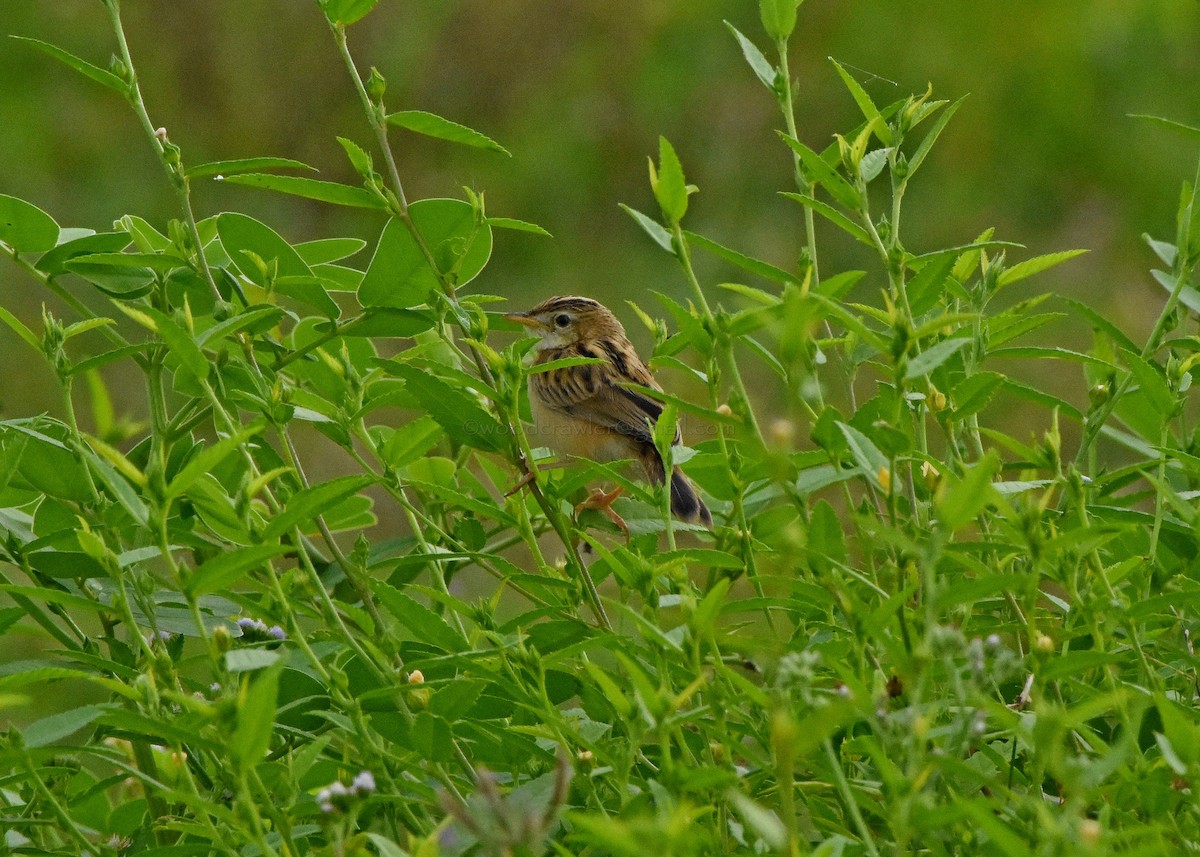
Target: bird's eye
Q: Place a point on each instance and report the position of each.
(562, 319)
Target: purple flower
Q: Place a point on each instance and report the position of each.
(277, 632)
(364, 783)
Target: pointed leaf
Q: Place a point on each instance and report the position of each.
(432, 125)
(303, 506)
(105, 78)
(331, 192)
(245, 165)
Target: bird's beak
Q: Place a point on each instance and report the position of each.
(525, 319)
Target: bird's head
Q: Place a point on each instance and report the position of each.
(563, 321)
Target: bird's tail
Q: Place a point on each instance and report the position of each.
(686, 503)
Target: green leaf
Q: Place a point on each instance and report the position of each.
(926, 145)
(250, 660)
(864, 102)
(241, 235)
(823, 173)
(160, 262)
(660, 236)
(180, 343)
(778, 17)
(105, 78)
(517, 225)
(925, 287)
(973, 393)
(1036, 265)
(331, 192)
(226, 569)
(118, 282)
(826, 541)
(26, 228)
(303, 506)
(864, 451)
(386, 322)
(207, 460)
(325, 250)
(933, 357)
(1190, 130)
(53, 262)
(668, 183)
(400, 274)
(761, 67)
(18, 327)
(960, 499)
(746, 263)
(1152, 383)
(424, 624)
(245, 165)
(832, 215)
(55, 727)
(406, 443)
(346, 12)
(432, 125)
(255, 716)
(456, 411)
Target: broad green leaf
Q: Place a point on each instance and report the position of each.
(668, 183)
(66, 564)
(660, 236)
(420, 621)
(325, 250)
(245, 165)
(53, 262)
(754, 266)
(960, 499)
(778, 17)
(331, 192)
(48, 464)
(53, 728)
(303, 506)
(973, 393)
(400, 274)
(255, 717)
(117, 281)
(145, 237)
(1152, 384)
(1188, 296)
(933, 357)
(345, 12)
(26, 228)
(160, 262)
(761, 67)
(250, 660)
(406, 443)
(456, 411)
(105, 78)
(432, 125)
(926, 286)
(1036, 265)
(241, 234)
(311, 290)
(386, 322)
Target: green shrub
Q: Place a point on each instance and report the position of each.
(909, 629)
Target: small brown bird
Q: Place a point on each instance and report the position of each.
(584, 410)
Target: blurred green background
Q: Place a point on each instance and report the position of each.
(1042, 149)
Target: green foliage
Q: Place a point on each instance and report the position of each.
(912, 628)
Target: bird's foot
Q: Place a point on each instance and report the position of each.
(602, 501)
(529, 477)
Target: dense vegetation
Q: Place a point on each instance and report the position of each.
(913, 627)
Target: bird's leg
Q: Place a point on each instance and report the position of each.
(602, 501)
(530, 475)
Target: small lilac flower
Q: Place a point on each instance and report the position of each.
(363, 783)
(277, 632)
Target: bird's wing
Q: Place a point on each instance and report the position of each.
(595, 391)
